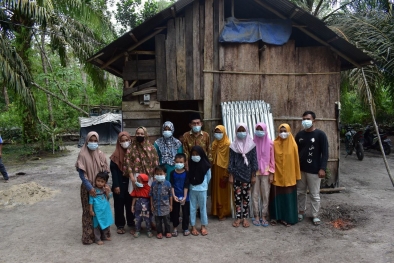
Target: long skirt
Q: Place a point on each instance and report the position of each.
(87, 219)
(221, 193)
(283, 204)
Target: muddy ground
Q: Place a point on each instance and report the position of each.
(50, 230)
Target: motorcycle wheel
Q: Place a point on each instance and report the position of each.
(360, 151)
(386, 149)
(349, 148)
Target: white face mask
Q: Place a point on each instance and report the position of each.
(160, 178)
(307, 124)
(259, 133)
(218, 136)
(125, 145)
(167, 134)
(284, 135)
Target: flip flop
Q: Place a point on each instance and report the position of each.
(159, 236)
(136, 234)
(204, 232)
(273, 222)
(186, 233)
(264, 223)
(301, 217)
(120, 231)
(256, 222)
(236, 223)
(316, 221)
(168, 235)
(174, 233)
(195, 232)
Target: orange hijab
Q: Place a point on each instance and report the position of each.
(287, 164)
(221, 149)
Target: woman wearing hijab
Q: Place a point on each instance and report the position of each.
(90, 162)
(199, 177)
(283, 195)
(141, 157)
(167, 147)
(221, 191)
(242, 169)
(120, 183)
(265, 174)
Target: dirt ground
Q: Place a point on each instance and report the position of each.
(50, 230)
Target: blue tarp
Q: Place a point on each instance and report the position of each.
(270, 31)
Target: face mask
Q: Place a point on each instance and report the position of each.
(218, 136)
(160, 178)
(167, 134)
(138, 184)
(284, 135)
(306, 124)
(259, 133)
(179, 166)
(140, 138)
(241, 135)
(196, 128)
(125, 145)
(92, 146)
(196, 158)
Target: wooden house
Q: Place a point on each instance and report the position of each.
(173, 64)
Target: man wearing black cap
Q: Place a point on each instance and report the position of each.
(196, 137)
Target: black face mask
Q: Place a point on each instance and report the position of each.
(140, 138)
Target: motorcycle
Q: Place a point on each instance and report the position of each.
(371, 140)
(354, 141)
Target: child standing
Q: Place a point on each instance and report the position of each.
(180, 186)
(161, 201)
(141, 204)
(265, 174)
(100, 209)
(199, 177)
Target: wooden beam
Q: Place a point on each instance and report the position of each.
(92, 58)
(132, 47)
(133, 37)
(145, 91)
(318, 39)
(293, 13)
(270, 74)
(142, 52)
(132, 84)
(140, 87)
(114, 70)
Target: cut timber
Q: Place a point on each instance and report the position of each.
(196, 52)
(142, 52)
(161, 74)
(180, 58)
(171, 61)
(189, 75)
(145, 91)
(139, 87)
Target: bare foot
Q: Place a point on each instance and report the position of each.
(107, 239)
(100, 242)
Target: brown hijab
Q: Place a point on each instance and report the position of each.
(119, 153)
(91, 162)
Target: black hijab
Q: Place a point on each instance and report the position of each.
(198, 170)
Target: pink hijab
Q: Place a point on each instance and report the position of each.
(263, 148)
(242, 146)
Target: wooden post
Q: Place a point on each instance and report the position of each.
(208, 63)
(126, 82)
(196, 53)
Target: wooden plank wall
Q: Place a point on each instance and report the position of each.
(289, 96)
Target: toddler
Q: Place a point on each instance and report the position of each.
(141, 204)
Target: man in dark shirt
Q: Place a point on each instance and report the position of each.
(313, 153)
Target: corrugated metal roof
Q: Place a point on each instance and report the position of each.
(282, 8)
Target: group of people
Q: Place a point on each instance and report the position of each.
(168, 181)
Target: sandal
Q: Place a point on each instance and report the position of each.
(245, 223)
(204, 231)
(256, 222)
(120, 231)
(136, 234)
(316, 221)
(149, 234)
(159, 236)
(264, 223)
(174, 233)
(284, 223)
(186, 233)
(301, 217)
(132, 231)
(236, 223)
(195, 232)
(273, 222)
(168, 235)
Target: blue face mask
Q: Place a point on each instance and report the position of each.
(196, 158)
(196, 128)
(307, 124)
(160, 178)
(241, 135)
(179, 166)
(259, 133)
(92, 146)
(218, 136)
(167, 134)
(138, 184)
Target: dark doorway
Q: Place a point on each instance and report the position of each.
(179, 119)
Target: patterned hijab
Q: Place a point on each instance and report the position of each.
(242, 146)
(119, 153)
(221, 149)
(168, 146)
(141, 157)
(91, 162)
(263, 148)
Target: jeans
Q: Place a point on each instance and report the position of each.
(311, 182)
(3, 171)
(198, 199)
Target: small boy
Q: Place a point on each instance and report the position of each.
(141, 204)
(161, 201)
(100, 209)
(180, 186)
(3, 171)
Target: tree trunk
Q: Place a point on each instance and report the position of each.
(6, 98)
(44, 67)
